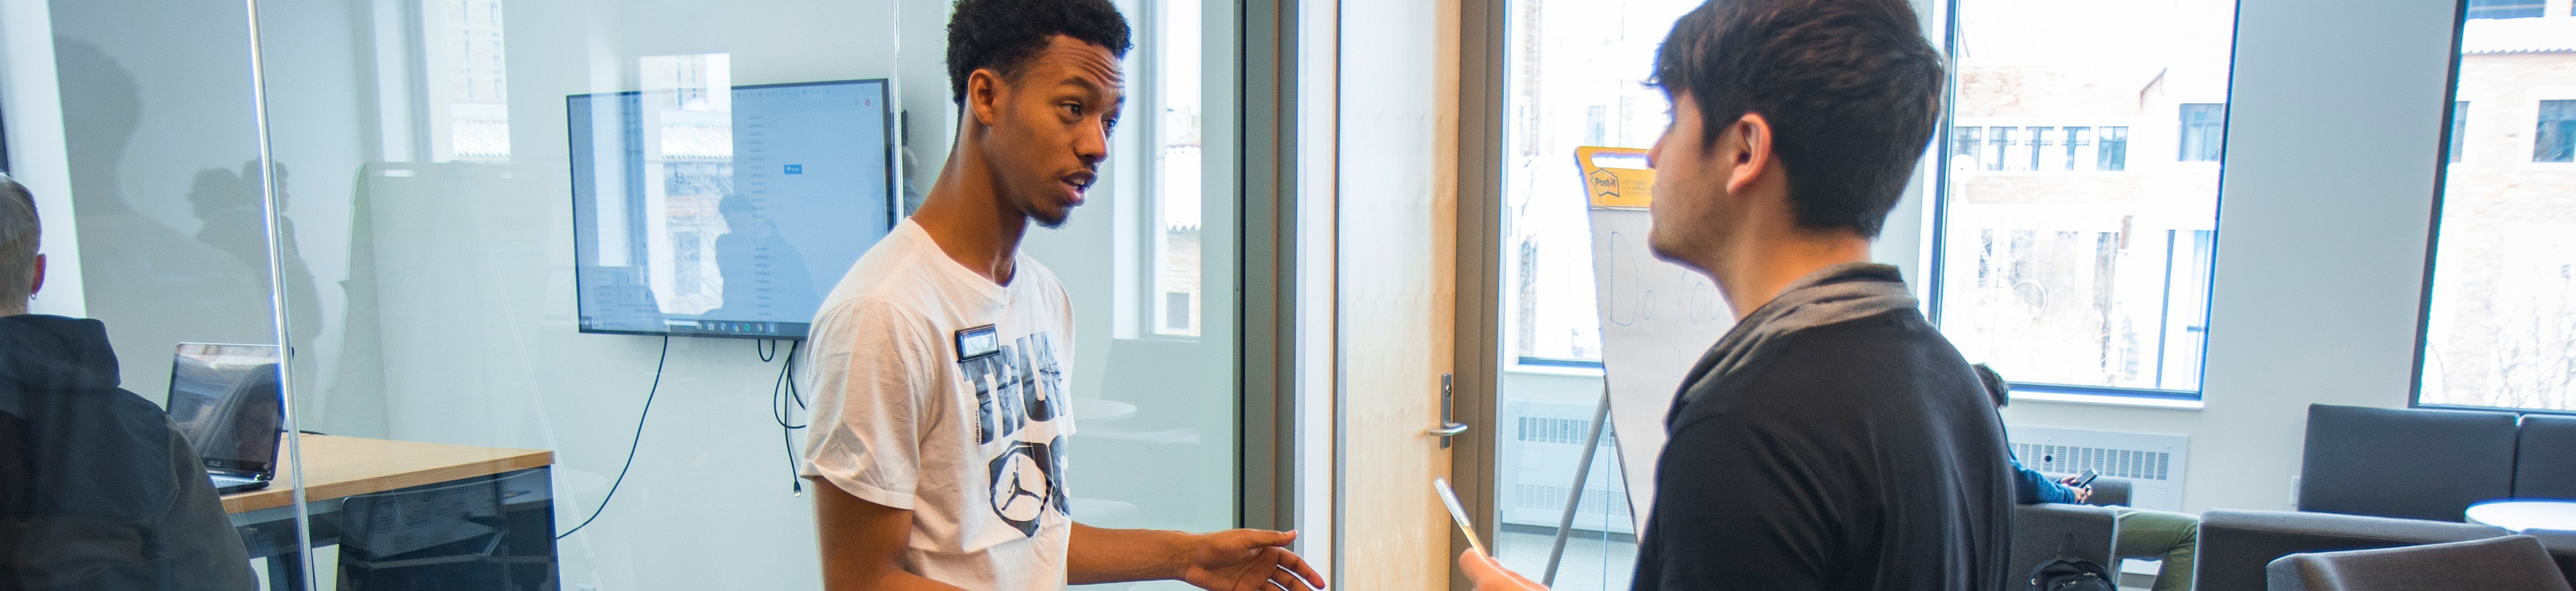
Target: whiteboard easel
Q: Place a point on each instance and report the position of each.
(1657, 318)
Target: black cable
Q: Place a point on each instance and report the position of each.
(658, 364)
(780, 394)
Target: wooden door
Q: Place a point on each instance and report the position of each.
(1396, 247)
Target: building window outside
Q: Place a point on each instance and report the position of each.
(2114, 150)
(2555, 140)
(2204, 132)
(468, 81)
(2090, 272)
(2500, 327)
(2459, 127)
(2492, 9)
(1177, 193)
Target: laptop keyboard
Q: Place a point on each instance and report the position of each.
(221, 480)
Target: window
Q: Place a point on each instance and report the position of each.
(2115, 149)
(2459, 126)
(467, 80)
(2555, 141)
(2500, 325)
(2479, 9)
(2204, 132)
(2058, 259)
(1168, 120)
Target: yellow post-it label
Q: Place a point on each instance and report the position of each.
(1617, 178)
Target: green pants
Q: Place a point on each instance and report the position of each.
(2157, 535)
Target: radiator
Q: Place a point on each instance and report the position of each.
(2153, 464)
(1541, 442)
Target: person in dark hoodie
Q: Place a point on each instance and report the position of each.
(98, 490)
(1832, 439)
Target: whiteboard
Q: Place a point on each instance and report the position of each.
(1657, 318)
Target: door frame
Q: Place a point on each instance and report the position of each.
(1482, 35)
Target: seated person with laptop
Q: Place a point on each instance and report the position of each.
(98, 489)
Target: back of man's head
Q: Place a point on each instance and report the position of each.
(19, 234)
(1850, 88)
(1996, 387)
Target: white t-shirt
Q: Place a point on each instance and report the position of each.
(914, 409)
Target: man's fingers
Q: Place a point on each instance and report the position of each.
(1284, 580)
(1291, 563)
(1262, 537)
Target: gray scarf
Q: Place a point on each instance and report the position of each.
(1833, 294)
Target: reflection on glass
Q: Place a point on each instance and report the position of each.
(2501, 327)
(1575, 75)
(714, 209)
(2064, 259)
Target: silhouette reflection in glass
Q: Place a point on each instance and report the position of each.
(765, 279)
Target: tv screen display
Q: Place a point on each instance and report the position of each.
(726, 213)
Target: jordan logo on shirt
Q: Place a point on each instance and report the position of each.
(1018, 395)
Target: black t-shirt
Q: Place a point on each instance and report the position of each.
(1861, 454)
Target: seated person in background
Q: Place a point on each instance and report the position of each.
(97, 488)
(2152, 535)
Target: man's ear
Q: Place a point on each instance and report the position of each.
(1747, 150)
(40, 276)
(984, 96)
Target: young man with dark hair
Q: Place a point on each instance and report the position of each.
(939, 363)
(98, 490)
(1832, 439)
(2173, 538)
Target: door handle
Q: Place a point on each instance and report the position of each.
(1449, 425)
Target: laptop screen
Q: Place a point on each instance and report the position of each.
(226, 399)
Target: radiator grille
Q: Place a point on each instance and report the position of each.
(1565, 431)
(2116, 463)
(1552, 499)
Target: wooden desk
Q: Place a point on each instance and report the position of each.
(346, 466)
(344, 470)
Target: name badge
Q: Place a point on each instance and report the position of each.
(978, 342)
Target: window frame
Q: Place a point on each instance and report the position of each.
(1938, 202)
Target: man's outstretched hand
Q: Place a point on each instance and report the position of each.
(1487, 574)
(1248, 560)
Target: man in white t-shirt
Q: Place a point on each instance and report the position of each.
(938, 364)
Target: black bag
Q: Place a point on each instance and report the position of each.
(2071, 574)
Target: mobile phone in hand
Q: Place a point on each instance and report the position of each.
(2086, 479)
(1458, 514)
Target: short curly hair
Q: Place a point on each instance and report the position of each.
(1002, 35)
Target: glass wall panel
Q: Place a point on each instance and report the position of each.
(2501, 324)
(548, 261)
(115, 435)
(1575, 75)
(566, 250)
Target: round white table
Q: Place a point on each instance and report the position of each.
(2518, 515)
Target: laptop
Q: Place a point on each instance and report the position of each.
(226, 400)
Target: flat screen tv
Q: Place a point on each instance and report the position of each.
(726, 214)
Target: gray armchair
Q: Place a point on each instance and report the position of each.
(2511, 562)
(2405, 462)
(2043, 532)
(2236, 545)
